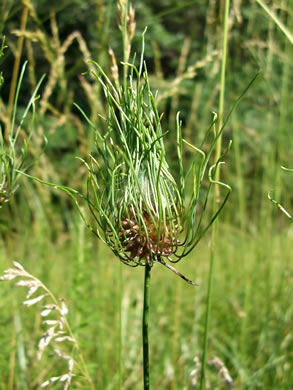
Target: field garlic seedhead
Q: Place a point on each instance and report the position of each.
(6, 188)
(13, 145)
(139, 207)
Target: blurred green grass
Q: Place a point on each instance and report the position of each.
(251, 320)
(252, 289)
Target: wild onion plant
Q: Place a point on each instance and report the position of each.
(140, 210)
(14, 141)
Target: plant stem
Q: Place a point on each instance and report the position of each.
(277, 21)
(145, 326)
(16, 64)
(120, 324)
(125, 43)
(217, 195)
(207, 320)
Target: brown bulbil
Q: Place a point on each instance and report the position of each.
(141, 244)
(4, 197)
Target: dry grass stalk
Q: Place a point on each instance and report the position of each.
(58, 330)
(127, 24)
(31, 63)
(194, 375)
(131, 24)
(54, 52)
(54, 28)
(222, 371)
(157, 60)
(114, 67)
(3, 113)
(30, 6)
(173, 87)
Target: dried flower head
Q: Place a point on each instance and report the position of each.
(222, 370)
(220, 367)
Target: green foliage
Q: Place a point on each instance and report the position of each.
(277, 203)
(87, 276)
(251, 317)
(13, 157)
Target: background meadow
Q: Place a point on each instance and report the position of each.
(251, 319)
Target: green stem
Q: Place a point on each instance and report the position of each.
(207, 321)
(125, 44)
(16, 65)
(120, 324)
(223, 78)
(145, 326)
(239, 162)
(216, 197)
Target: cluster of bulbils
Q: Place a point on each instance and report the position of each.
(5, 194)
(144, 243)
